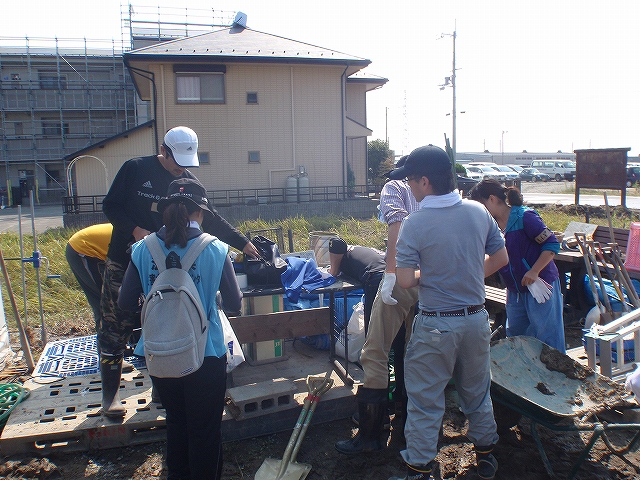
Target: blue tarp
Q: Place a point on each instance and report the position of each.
(307, 300)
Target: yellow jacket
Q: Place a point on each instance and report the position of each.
(92, 241)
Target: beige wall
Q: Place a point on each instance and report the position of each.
(89, 172)
(357, 147)
(297, 121)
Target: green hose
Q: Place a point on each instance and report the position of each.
(11, 394)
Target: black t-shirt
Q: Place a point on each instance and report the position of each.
(362, 263)
(132, 201)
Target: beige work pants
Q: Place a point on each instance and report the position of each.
(384, 324)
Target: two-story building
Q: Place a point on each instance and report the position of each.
(266, 109)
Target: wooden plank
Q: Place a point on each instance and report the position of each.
(290, 324)
(620, 235)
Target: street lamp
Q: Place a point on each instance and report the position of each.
(502, 145)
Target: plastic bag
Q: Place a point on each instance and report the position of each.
(632, 384)
(235, 356)
(356, 335)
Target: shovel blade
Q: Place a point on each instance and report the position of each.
(270, 467)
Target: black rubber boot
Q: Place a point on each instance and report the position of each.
(372, 408)
(110, 374)
(386, 421)
(417, 472)
(487, 464)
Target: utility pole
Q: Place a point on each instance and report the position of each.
(453, 86)
(502, 145)
(451, 81)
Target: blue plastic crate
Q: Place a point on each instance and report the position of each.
(73, 357)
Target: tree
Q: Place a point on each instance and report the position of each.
(380, 159)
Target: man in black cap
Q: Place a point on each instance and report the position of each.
(447, 248)
(131, 205)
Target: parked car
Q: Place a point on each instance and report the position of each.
(516, 168)
(465, 184)
(633, 175)
(533, 175)
(557, 169)
(508, 172)
(474, 173)
(488, 172)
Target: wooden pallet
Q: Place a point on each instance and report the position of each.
(64, 414)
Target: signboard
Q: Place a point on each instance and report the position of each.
(604, 168)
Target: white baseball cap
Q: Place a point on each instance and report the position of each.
(183, 143)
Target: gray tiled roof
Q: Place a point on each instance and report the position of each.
(243, 45)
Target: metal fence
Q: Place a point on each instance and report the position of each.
(246, 196)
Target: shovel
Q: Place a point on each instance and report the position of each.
(288, 468)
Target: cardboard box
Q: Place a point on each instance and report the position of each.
(269, 351)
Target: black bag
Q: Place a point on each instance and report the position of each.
(265, 271)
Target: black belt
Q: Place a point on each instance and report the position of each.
(455, 313)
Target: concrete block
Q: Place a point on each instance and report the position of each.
(261, 398)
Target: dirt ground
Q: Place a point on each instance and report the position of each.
(516, 452)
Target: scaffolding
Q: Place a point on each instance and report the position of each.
(58, 96)
(146, 25)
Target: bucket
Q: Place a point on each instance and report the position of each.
(632, 261)
(319, 243)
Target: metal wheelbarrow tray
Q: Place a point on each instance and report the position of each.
(555, 391)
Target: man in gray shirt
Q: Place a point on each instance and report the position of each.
(447, 248)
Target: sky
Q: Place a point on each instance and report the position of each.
(539, 76)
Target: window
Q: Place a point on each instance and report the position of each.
(203, 158)
(51, 81)
(252, 98)
(254, 157)
(54, 128)
(200, 87)
(53, 177)
(19, 128)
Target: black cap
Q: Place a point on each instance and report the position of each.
(337, 245)
(399, 164)
(186, 190)
(424, 161)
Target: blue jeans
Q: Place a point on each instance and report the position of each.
(525, 316)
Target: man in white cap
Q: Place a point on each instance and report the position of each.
(131, 205)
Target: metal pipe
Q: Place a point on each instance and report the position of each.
(581, 239)
(43, 327)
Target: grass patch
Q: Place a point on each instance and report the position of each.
(67, 313)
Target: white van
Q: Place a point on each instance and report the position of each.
(556, 169)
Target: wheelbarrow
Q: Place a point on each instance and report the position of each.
(555, 391)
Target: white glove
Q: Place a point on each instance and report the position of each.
(540, 290)
(388, 282)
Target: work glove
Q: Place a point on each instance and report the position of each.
(388, 282)
(540, 290)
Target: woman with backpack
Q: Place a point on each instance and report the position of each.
(194, 402)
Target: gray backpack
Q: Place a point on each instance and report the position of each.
(174, 322)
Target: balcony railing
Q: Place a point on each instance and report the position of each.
(246, 196)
